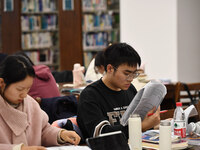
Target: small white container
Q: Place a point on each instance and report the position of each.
(135, 132)
(165, 135)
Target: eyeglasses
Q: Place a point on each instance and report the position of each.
(130, 76)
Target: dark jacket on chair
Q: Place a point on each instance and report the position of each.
(59, 107)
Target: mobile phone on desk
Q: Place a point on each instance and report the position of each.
(109, 141)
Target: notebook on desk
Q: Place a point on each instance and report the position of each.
(109, 141)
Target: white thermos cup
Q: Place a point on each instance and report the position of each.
(135, 132)
(165, 135)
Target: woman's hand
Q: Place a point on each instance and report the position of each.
(33, 148)
(151, 121)
(70, 136)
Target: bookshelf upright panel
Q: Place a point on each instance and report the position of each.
(70, 37)
(11, 28)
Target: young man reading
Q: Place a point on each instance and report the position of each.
(102, 104)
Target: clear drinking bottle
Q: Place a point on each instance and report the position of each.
(179, 121)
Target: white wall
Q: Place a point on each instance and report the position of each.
(189, 40)
(151, 27)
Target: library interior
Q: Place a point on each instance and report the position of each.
(65, 35)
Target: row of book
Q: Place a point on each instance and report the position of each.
(38, 22)
(93, 41)
(99, 40)
(97, 22)
(38, 5)
(41, 56)
(91, 5)
(36, 40)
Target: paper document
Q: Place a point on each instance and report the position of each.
(149, 96)
(69, 147)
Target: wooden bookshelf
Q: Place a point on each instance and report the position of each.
(58, 45)
(100, 26)
(71, 36)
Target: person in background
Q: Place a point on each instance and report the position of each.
(44, 84)
(102, 103)
(24, 126)
(96, 67)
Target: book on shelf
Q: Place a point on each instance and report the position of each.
(38, 5)
(36, 22)
(94, 41)
(37, 40)
(95, 22)
(91, 5)
(41, 57)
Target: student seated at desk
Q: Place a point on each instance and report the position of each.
(24, 126)
(96, 68)
(102, 103)
(44, 84)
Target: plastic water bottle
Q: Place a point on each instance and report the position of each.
(165, 135)
(135, 132)
(179, 121)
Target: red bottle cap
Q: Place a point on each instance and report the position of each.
(179, 104)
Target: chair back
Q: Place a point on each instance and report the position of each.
(188, 93)
(63, 76)
(169, 99)
(59, 107)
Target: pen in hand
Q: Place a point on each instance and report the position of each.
(163, 111)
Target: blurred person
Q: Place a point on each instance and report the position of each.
(96, 68)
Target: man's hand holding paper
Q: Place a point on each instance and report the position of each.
(151, 121)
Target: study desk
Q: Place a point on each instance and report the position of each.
(72, 147)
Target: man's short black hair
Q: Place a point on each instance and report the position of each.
(121, 53)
